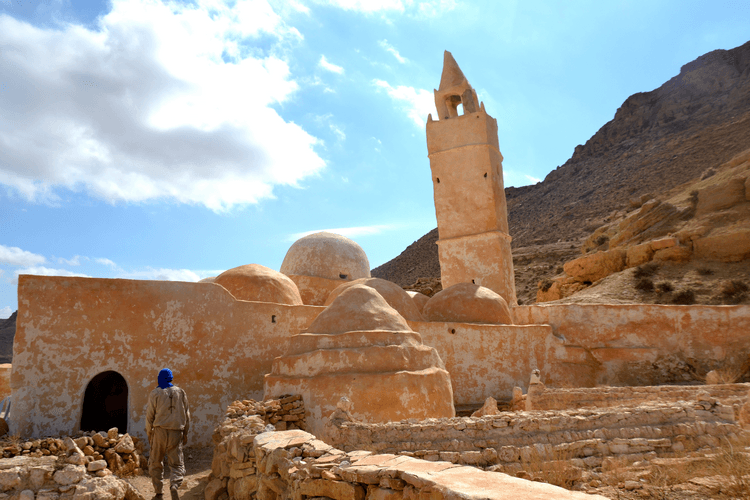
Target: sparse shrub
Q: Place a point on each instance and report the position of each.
(556, 470)
(733, 292)
(693, 199)
(705, 271)
(733, 288)
(646, 270)
(732, 463)
(545, 284)
(645, 285)
(601, 239)
(684, 297)
(710, 172)
(664, 287)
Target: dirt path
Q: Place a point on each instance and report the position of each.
(198, 467)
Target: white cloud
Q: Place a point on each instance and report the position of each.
(417, 103)
(340, 135)
(46, 271)
(349, 232)
(390, 48)
(166, 274)
(14, 256)
(158, 102)
(5, 312)
(323, 63)
(75, 261)
(426, 8)
(366, 6)
(106, 262)
(532, 178)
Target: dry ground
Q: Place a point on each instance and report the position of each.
(198, 467)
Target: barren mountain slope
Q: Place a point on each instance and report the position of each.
(656, 141)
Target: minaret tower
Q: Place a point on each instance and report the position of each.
(467, 178)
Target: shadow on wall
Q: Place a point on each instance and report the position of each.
(105, 403)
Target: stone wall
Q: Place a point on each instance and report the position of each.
(540, 397)
(638, 344)
(585, 436)
(295, 465)
(219, 348)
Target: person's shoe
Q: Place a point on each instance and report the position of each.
(173, 492)
(158, 496)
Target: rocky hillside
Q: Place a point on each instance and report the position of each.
(657, 141)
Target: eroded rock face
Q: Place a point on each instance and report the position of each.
(260, 284)
(468, 303)
(363, 349)
(393, 294)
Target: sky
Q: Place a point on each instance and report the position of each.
(160, 140)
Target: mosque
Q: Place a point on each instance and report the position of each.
(87, 350)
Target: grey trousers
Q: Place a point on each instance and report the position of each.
(166, 442)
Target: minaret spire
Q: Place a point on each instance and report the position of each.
(452, 75)
(454, 89)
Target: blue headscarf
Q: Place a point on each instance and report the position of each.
(165, 378)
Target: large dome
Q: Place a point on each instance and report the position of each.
(468, 303)
(260, 284)
(326, 255)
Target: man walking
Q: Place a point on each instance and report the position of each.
(167, 425)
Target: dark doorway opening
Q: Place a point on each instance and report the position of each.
(105, 403)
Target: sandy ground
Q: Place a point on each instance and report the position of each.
(198, 467)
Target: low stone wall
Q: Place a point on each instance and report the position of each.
(295, 465)
(121, 454)
(49, 478)
(540, 397)
(585, 437)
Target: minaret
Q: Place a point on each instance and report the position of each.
(467, 178)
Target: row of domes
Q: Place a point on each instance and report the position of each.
(337, 259)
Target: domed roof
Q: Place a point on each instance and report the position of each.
(358, 308)
(418, 298)
(259, 283)
(326, 255)
(210, 279)
(468, 303)
(396, 297)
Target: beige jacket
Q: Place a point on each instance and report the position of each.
(168, 408)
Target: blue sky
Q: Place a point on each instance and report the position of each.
(174, 140)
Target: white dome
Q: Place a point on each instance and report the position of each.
(326, 255)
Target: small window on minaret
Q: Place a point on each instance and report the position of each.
(437, 179)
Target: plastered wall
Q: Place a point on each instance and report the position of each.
(646, 344)
(71, 329)
(489, 360)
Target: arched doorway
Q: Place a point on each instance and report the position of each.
(105, 403)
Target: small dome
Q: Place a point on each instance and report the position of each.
(326, 255)
(260, 284)
(210, 279)
(396, 297)
(358, 308)
(468, 303)
(418, 298)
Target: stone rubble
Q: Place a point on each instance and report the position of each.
(121, 454)
(51, 477)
